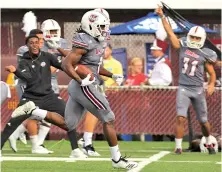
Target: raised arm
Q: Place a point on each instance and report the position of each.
(172, 37)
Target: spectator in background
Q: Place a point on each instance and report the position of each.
(112, 65)
(135, 78)
(161, 74)
(136, 75)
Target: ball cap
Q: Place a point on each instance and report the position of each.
(159, 45)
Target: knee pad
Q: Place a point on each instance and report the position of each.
(203, 119)
(110, 117)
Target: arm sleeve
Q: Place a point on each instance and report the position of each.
(23, 71)
(55, 61)
(211, 56)
(164, 76)
(80, 40)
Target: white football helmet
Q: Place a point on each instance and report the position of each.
(203, 142)
(104, 12)
(96, 25)
(198, 32)
(49, 25)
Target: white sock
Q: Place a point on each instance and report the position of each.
(87, 138)
(43, 131)
(39, 113)
(208, 140)
(34, 140)
(178, 143)
(115, 153)
(21, 129)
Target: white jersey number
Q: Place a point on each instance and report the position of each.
(189, 66)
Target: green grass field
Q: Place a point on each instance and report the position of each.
(143, 152)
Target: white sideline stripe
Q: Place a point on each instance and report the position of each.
(61, 159)
(103, 150)
(218, 162)
(149, 160)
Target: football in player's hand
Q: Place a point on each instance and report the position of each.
(83, 71)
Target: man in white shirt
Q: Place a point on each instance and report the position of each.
(161, 74)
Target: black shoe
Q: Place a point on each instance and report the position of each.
(178, 151)
(211, 149)
(90, 151)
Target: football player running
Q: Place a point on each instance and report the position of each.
(84, 95)
(90, 120)
(193, 58)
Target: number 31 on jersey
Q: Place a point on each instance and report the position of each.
(189, 66)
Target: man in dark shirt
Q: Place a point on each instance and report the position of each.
(34, 68)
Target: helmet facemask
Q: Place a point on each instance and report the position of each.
(51, 30)
(198, 32)
(102, 32)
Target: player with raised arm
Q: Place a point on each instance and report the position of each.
(84, 95)
(193, 59)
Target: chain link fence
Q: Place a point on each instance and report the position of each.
(138, 110)
(12, 37)
(150, 110)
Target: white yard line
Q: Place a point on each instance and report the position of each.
(127, 150)
(62, 159)
(101, 150)
(149, 160)
(218, 162)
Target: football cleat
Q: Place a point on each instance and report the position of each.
(40, 150)
(24, 108)
(77, 153)
(81, 142)
(22, 138)
(50, 152)
(178, 151)
(12, 143)
(123, 163)
(90, 151)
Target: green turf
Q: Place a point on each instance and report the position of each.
(207, 163)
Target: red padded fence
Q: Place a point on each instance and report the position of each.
(138, 110)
